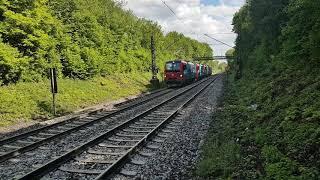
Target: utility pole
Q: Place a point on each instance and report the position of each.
(154, 81)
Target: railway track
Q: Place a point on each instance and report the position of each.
(104, 154)
(143, 96)
(14, 146)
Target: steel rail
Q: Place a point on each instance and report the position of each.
(35, 131)
(53, 164)
(124, 158)
(144, 95)
(16, 152)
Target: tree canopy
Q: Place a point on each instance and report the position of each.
(278, 34)
(278, 56)
(82, 39)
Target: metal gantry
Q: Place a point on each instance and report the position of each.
(210, 58)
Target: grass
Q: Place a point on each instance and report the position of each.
(266, 128)
(25, 102)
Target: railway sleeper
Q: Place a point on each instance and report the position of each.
(46, 134)
(79, 122)
(102, 124)
(156, 116)
(12, 146)
(169, 109)
(152, 117)
(123, 140)
(36, 138)
(81, 171)
(134, 131)
(151, 120)
(64, 127)
(73, 125)
(141, 127)
(147, 123)
(113, 146)
(25, 142)
(117, 147)
(130, 135)
(151, 125)
(158, 112)
(106, 153)
(55, 131)
(96, 161)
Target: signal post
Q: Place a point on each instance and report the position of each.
(154, 81)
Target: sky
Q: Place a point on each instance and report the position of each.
(194, 18)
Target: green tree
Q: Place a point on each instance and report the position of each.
(83, 39)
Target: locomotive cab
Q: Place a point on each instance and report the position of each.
(178, 73)
(174, 73)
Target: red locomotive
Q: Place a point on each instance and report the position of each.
(180, 72)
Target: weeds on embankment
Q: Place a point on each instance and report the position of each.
(25, 102)
(266, 128)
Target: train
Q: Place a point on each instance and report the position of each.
(181, 72)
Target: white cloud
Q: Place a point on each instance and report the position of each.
(232, 2)
(198, 19)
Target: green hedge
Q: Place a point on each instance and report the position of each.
(82, 39)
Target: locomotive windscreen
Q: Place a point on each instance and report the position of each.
(174, 67)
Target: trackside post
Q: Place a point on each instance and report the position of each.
(54, 88)
(154, 81)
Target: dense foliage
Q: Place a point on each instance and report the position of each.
(268, 126)
(278, 35)
(82, 39)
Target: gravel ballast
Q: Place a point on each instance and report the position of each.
(28, 161)
(23, 127)
(177, 155)
(176, 149)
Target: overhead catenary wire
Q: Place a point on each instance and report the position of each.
(175, 14)
(192, 32)
(218, 40)
(172, 11)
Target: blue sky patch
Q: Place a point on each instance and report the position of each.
(210, 2)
